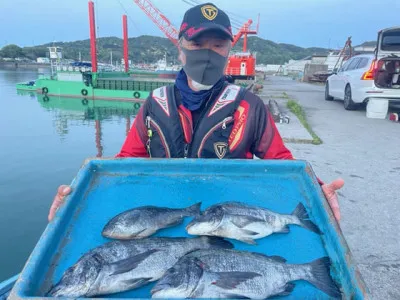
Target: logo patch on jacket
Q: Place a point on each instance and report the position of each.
(239, 126)
(160, 96)
(220, 149)
(227, 96)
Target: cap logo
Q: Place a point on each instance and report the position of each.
(209, 12)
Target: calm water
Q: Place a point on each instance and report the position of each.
(42, 145)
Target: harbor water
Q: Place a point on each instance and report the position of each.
(43, 143)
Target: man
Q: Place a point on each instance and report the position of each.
(202, 115)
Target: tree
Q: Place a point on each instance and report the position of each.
(34, 52)
(11, 51)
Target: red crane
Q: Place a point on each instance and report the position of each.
(159, 19)
(245, 30)
(240, 65)
(243, 65)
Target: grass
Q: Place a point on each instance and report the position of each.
(296, 109)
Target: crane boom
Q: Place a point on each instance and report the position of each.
(244, 29)
(159, 19)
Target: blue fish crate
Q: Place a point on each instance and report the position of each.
(104, 188)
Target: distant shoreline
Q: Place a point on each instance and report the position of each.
(21, 65)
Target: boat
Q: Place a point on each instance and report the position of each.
(71, 83)
(93, 80)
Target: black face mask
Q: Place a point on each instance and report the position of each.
(204, 65)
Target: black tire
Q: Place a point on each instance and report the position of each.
(85, 101)
(348, 100)
(46, 99)
(327, 97)
(84, 92)
(45, 90)
(136, 95)
(136, 105)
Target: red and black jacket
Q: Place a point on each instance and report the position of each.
(234, 123)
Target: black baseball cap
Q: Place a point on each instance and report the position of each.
(202, 18)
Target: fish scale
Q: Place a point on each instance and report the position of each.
(245, 222)
(237, 274)
(278, 274)
(143, 221)
(122, 265)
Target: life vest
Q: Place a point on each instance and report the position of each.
(170, 130)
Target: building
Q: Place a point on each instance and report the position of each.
(364, 49)
(268, 68)
(296, 65)
(43, 60)
(318, 59)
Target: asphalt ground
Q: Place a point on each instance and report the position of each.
(366, 154)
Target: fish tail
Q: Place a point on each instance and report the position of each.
(321, 277)
(301, 213)
(217, 242)
(193, 210)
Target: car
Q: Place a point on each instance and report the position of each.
(368, 76)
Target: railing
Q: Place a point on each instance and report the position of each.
(235, 71)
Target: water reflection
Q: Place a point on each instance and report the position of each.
(89, 112)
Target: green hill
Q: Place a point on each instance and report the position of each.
(368, 44)
(149, 49)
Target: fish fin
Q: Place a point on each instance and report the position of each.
(137, 282)
(138, 235)
(235, 296)
(193, 210)
(278, 258)
(248, 241)
(174, 223)
(230, 280)
(285, 229)
(242, 221)
(217, 242)
(130, 263)
(248, 232)
(121, 237)
(287, 289)
(274, 257)
(321, 278)
(301, 213)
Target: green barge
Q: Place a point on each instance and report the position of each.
(119, 86)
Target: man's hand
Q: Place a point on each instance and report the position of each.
(330, 195)
(63, 191)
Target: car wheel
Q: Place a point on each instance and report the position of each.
(327, 97)
(348, 101)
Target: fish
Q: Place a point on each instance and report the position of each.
(228, 273)
(145, 221)
(122, 265)
(247, 223)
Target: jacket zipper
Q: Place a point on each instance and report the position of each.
(150, 121)
(223, 123)
(187, 146)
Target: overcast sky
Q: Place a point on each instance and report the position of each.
(305, 23)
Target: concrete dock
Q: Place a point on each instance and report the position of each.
(366, 154)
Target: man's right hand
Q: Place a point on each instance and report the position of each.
(63, 191)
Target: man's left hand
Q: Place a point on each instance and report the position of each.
(330, 195)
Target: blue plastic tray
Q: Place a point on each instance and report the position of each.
(104, 188)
